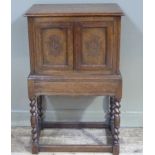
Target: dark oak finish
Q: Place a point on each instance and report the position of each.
(94, 42)
(54, 45)
(76, 148)
(77, 125)
(74, 10)
(74, 50)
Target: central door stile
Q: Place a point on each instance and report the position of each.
(76, 44)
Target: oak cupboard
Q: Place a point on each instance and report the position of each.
(74, 50)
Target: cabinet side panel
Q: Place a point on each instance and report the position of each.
(116, 53)
(31, 42)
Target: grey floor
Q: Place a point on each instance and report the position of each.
(130, 140)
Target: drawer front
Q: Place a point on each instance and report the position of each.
(94, 46)
(53, 47)
(76, 88)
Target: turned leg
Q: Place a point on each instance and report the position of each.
(111, 120)
(34, 125)
(115, 123)
(40, 112)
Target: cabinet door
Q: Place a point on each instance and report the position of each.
(94, 46)
(53, 47)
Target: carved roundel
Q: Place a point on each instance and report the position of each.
(55, 45)
(93, 45)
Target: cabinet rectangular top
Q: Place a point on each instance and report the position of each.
(74, 10)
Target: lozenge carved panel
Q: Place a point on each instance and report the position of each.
(93, 46)
(54, 46)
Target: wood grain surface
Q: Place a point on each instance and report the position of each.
(74, 10)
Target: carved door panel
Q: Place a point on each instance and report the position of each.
(54, 47)
(94, 43)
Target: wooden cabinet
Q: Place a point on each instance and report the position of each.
(74, 50)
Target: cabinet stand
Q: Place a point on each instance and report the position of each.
(38, 124)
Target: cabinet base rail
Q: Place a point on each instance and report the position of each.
(75, 148)
(77, 125)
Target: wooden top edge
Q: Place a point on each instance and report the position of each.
(106, 9)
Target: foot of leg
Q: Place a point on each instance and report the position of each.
(40, 112)
(116, 150)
